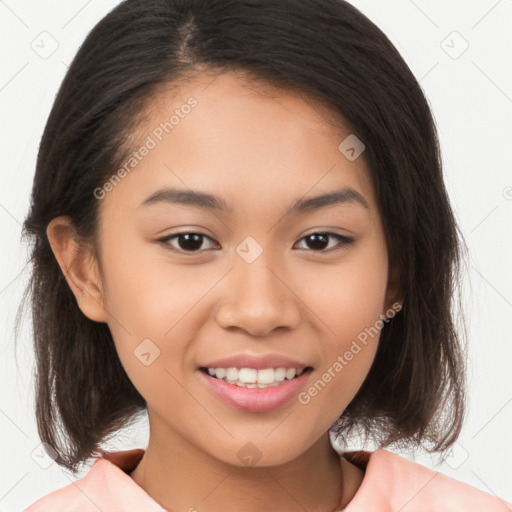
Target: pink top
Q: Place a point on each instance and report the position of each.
(391, 483)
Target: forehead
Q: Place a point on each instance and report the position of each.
(240, 138)
(215, 86)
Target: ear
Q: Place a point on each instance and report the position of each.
(79, 266)
(394, 292)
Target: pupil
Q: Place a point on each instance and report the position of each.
(193, 241)
(319, 241)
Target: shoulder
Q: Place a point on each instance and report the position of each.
(106, 487)
(394, 483)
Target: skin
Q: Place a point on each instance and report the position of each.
(259, 150)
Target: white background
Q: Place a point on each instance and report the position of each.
(471, 98)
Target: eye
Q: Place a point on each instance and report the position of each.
(192, 242)
(186, 241)
(319, 241)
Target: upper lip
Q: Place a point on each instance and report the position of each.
(257, 362)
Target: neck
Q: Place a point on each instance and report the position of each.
(179, 476)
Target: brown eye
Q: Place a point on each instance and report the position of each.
(319, 241)
(186, 242)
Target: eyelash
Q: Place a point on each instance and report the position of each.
(344, 240)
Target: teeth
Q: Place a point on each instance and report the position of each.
(231, 374)
(249, 376)
(252, 378)
(264, 376)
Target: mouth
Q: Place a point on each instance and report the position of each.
(269, 389)
(253, 378)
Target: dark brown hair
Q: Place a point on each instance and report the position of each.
(414, 393)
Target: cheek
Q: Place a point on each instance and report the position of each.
(144, 291)
(349, 301)
(154, 308)
(351, 296)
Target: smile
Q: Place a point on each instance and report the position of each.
(254, 378)
(255, 390)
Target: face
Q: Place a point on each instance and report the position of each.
(252, 273)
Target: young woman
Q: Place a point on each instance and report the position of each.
(241, 228)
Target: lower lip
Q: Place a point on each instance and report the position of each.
(256, 399)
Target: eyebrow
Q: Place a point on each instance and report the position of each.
(345, 195)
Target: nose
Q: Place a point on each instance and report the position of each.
(257, 299)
